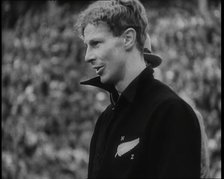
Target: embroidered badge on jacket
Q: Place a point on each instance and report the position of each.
(125, 147)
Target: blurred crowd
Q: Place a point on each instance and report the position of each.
(48, 118)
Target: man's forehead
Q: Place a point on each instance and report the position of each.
(95, 31)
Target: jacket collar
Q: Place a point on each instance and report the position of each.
(110, 88)
(97, 83)
(129, 93)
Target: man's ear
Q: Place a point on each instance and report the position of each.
(129, 36)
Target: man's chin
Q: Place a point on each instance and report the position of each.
(105, 80)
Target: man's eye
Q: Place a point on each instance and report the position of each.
(95, 43)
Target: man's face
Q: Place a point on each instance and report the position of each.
(105, 53)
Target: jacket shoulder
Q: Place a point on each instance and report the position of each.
(157, 92)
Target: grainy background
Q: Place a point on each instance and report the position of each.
(48, 118)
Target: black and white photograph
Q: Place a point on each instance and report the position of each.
(111, 89)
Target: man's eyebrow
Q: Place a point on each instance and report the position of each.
(93, 40)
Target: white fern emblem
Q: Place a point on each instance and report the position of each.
(125, 147)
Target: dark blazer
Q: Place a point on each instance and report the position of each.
(147, 132)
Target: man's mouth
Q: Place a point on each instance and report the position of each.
(99, 69)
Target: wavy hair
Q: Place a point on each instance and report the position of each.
(118, 15)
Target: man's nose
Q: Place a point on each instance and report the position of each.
(89, 56)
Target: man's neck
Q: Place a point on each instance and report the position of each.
(134, 66)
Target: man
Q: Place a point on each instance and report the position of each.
(147, 131)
